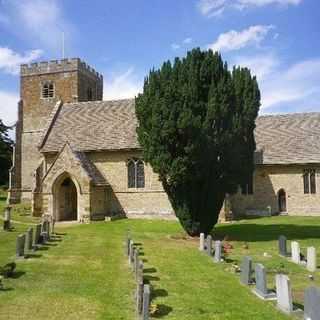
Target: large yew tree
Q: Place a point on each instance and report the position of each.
(5, 154)
(196, 122)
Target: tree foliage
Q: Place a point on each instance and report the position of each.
(196, 122)
(5, 153)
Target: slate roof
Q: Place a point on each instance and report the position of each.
(93, 125)
(111, 125)
(289, 138)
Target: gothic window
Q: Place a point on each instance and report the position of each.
(47, 90)
(89, 94)
(136, 177)
(309, 181)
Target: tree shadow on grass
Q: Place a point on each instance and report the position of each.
(17, 274)
(33, 256)
(261, 232)
(6, 289)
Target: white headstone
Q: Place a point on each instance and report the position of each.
(295, 252)
(284, 294)
(311, 259)
(201, 244)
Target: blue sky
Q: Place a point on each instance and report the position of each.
(277, 39)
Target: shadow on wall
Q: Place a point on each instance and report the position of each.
(261, 232)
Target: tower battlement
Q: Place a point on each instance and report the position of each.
(56, 66)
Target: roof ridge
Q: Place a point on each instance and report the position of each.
(99, 101)
(291, 114)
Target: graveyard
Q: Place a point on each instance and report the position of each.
(83, 271)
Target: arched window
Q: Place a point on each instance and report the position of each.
(309, 181)
(89, 94)
(47, 90)
(136, 177)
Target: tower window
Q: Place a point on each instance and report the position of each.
(47, 90)
(136, 178)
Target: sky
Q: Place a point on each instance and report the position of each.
(123, 39)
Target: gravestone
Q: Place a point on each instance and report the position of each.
(139, 296)
(53, 223)
(21, 241)
(44, 230)
(201, 244)
(7, 218)
(246, 271)
(311, 259)
(146, 302)
(37, 235)
(295, 252)
(130, 257)
(312, 303)
(29, 239)
(261, 289)
(136, 261)
(284, 294)
(283, 246)
(209, 245)
(140, 271)
(127, 245)
(217, 251)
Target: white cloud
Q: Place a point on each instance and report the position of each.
(213, 8)
(175, 46)
(41, 21)
(10, 60)
(122, 86)
(235, 40)
(8, 109)
(187, 40)
(291, 87)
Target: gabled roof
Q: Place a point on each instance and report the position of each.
(93, 125)
(111, 125)
(289, 138)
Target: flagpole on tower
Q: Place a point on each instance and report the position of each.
(63, 53)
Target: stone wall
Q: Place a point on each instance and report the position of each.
(150, 201)
(268, 180)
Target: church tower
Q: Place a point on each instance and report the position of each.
(41, 86)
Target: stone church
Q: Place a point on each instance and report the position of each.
(77, 157)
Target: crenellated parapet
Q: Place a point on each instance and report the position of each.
(56, 66)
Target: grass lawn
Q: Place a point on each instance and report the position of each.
(83, 274)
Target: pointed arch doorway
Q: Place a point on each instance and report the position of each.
(65, 197)
(282, 201)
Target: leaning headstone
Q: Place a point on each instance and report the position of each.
(146, 302)
(37, 235)
(246, 271)
(139, 296)
(201, 244)
(7, 218)
(312, 303)
(261, 289)
(295, 252)
(283, 246)
(217, 251)
(21, 240)
(29, 239)
(209, 245)
(311, 259)
(284, 294)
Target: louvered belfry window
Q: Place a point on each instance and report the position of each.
(309, 181)
(47, 90)
(136, 178)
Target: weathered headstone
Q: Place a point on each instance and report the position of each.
(21, 240)
(29, 239)
(139, 296)
(136, 261)
(261, 289)
(201, 244)
(311, 259)
(312, 303)
(7, 219)
(209, 245)
(140, 271)
(246, 271)
(284, 294)
(127, 245)
(295, 252)
(146, 302)
(53, 225)
(217, 251)
(283, 246)
(37, 235)
(130, 257)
